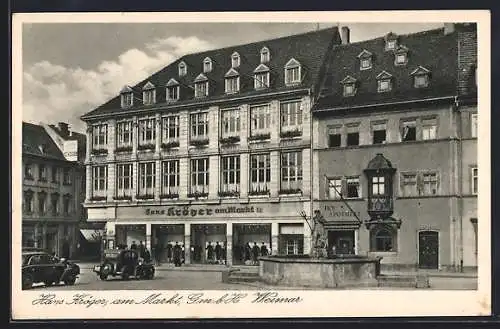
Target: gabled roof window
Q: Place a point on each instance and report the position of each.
(420, 77)
(261, 77)
(391, 41)
(293, 72)
(207, 65)
(235, 60)
(127, 97)
(182, 69)
(148, 94)
(349, 86)
(384, 82)
(201, 86)
(265, 55)
(401, 56)
(365, 60)
(173, 90)
(232, 81)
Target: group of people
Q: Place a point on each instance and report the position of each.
(141, 250)
(174, 253)
(249, 254)
(215, 254)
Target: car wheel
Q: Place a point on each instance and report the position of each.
(151, 274)
(70, 280)
(48, 283)
(27, 281)
(125, 276)
(103, 277)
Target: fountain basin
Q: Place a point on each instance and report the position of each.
(341, 272)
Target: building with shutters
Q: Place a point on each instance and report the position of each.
(53, 181)
(212, 152)
(395, 148)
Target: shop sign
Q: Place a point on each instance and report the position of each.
(334, 211)
(193, 212)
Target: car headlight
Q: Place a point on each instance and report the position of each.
(140, 263)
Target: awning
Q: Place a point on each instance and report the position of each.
(92, 235)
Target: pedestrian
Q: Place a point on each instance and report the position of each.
(210, 252)
(133, 246)
(263, 250)
(158, 253)
(169, 252)
(218, 252)
(146, 256)
(248, 253)
(255, 253)
(141, 249)
(177, 254)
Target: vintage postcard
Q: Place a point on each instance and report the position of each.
(247, 165)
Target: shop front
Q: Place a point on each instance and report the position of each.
(213, 233)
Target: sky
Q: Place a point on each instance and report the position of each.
(71, 68)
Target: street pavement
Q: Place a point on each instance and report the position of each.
(186, 278)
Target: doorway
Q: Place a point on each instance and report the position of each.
(343, 240)
(428, 249)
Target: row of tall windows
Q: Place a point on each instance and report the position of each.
(199, 175)
(44, 171)
(46, 204)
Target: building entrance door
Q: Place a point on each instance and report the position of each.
(342, 240)
(428, 249)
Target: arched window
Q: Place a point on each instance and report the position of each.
(383, 239)
(265, 56)
(182, 69)
(235, 60)
(207, 65)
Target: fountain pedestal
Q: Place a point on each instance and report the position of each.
(345, 272)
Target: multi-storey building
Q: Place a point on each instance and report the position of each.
(52, 184)
(395, 148)
(214, 149)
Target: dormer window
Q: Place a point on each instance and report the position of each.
(201, 86)
(349, 86)
(261, 77)
(173, 90)
(292, 72)
(265, 56)
(148, 94)
(391, 41)
(401, 56)
(182, 69)
(232, 79)
(420, 77)
(365, 60)
(207, 65)
(384, 82)
(127, 97)
(235, 60)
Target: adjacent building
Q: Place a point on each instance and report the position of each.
(213, 152)
(395, 148)
(53, 181)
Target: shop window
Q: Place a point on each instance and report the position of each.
(383, 240)
(334, 136)
(408, 130)
(379, 133)
(260, 173)
(291, 172)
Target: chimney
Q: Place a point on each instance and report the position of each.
(345, 35)
(449, 28)
(63, 128)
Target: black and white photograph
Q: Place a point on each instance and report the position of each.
(215, 161)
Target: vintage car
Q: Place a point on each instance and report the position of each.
(124, 263)
(40, 266)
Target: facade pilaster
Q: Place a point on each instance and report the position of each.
(111, 138)
(213, 187)
(229, 244)
(275, 174)
(183, 131)
(213, 127)
(275, 121)
(183, 178)
(157, 179)
(88, 183)
(187, 243)
(157, 133)
(111, 182)
(244, 178)
(306, 172)
(274, 238)
(148, 237)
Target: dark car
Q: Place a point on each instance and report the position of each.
(125, 264)
(40, 266)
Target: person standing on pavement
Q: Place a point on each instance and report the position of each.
(255, 253)
(263, 250)
(158, 253)
(177, 254)
(141, 249)
(210, 252)
(218, 252)
(133, 246)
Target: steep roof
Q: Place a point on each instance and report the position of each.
(37, 142)
(308, 48)
(431, 49)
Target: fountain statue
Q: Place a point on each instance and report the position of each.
(319, 239)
